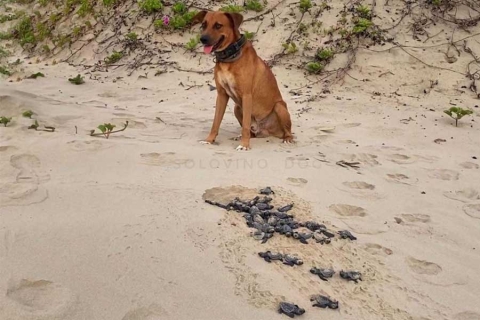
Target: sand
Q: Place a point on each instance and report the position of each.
(118, 229)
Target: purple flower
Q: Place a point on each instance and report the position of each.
(166, 20)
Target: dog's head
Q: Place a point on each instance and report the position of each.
(219, 29)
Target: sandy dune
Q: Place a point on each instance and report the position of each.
(118, 229)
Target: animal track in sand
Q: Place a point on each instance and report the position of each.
(423, 267)
(28, 165)
(41, 298)
(297, 181)
(398, 178)
(401, 158)
(369, 227)
(469, 165)
(360, 185)
(377, 249)
(444, 174)
(26, 189)
(365, 158)
(346, 210)
(152, 312)
(464, 195)
(472, 210)
(164, 159)
(416, 217)
(467, 315)
(94, 145)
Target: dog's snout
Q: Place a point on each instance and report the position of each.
(204, 39)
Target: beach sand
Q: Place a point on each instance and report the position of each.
(117, 229)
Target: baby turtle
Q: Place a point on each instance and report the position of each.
(328, 234)
(282, 215)
(292, 261)
(272, 221)
(345, 234)
(286, 208)
(267, 191)
(290, 309)
(285, 230)
(218, 204)
(323, 302)
(269, 256)
(265, 200)
(264, 206)
(313, 226)
(258, 235)
(320, 238)
(322, 273)
(302, 237)
(351, 275)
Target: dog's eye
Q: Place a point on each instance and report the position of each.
(217, 26)
(203, 26)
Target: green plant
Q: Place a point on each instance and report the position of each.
(325, 54)
(107, 129)
(305, 5)
(114, 57)
(179, 8)
(178, 22)
(314, 67)
(77, 80)
(6, 35)
(4, 71)
(193, 43)
(361, 25)
(85, 8)
(77, 31)
(24, 31)
(3, 53)
(437, 2)
(188, 16)
(232, 8)
(132, 36)
(249, 35)
(457, 113)
(364, 12)
(254, 5)
(28, 114)
(302, 28)
(109, 3)
(151, 6)
(42, 31)
(290, 47)
(5, 121)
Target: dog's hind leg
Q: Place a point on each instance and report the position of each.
(284, 121)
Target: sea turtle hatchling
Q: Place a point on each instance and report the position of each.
(270, 256)
(322, 273)
(323, 302)
(351, 275)
(267, 191)
(286, 208)
(291, 261)
(345, 234)
(302, 237)
(290, 309)
(320, 238)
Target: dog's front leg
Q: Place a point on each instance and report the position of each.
(221, 105)
(247, 105)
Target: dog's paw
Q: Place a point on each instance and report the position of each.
(204, 142)
(289, 141)
(237, 138)
(242, 148)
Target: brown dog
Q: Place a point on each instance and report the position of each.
(245, 78)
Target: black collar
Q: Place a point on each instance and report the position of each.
(232, 52)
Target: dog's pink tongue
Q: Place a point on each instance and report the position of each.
(207, 49)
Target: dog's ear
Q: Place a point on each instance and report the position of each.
(236, 19)
(199, 17)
